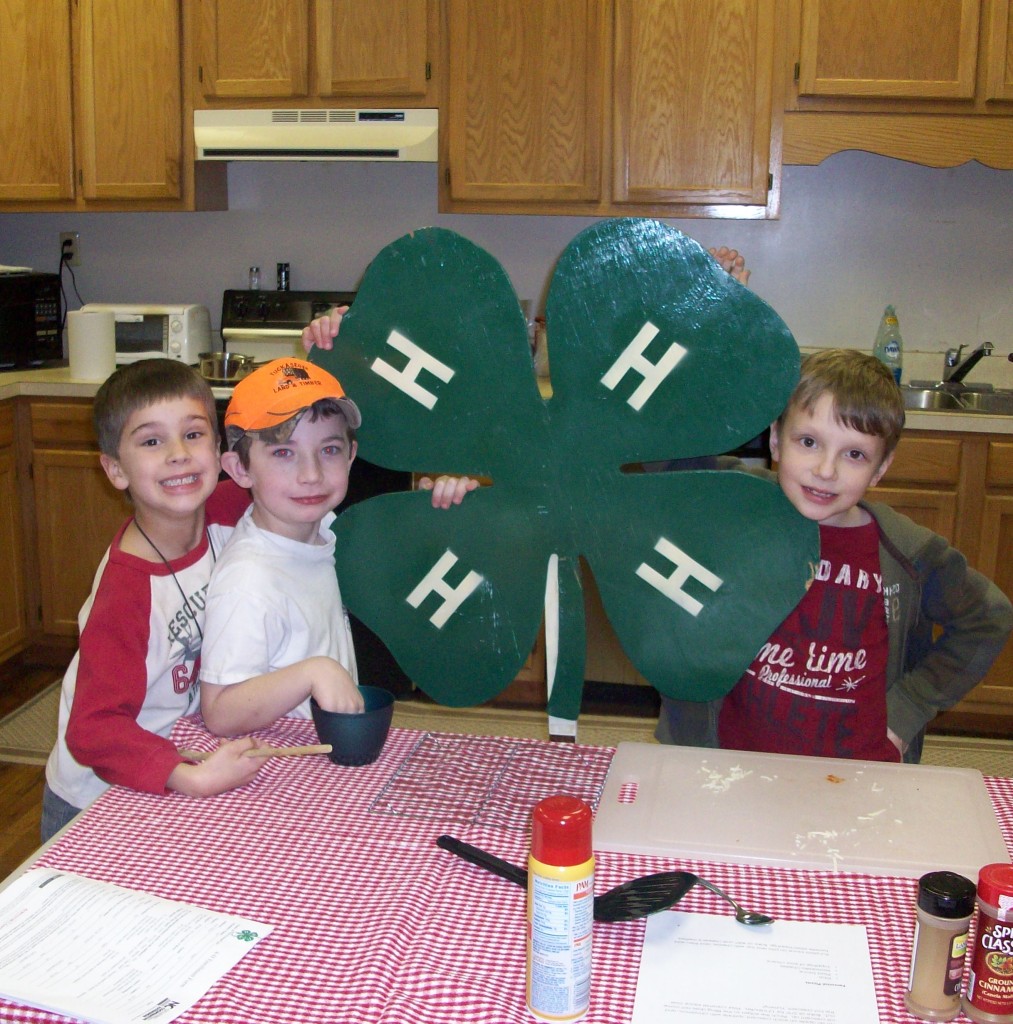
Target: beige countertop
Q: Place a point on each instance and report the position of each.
(58, 383)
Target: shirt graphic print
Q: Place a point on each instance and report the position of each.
(818, 686)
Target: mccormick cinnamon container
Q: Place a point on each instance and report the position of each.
(989, 997)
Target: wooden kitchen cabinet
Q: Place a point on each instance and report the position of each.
(995, 560)
(931, 85)
(999, 41)
(922, 481)
(13, 617)
(35, 56)
(77, 510)
(92, 108)
(892, 49)
(659, 108)
(312, 50)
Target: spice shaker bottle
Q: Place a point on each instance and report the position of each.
(944, 906)
(283, 277)
(254, 279)
(989, 997)
(560, 909)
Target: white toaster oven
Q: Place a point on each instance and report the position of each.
(180, 332)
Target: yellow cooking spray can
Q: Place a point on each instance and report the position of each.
(560, 909)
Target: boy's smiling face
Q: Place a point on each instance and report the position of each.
(824, 466)
(168, 457)
(296, 483)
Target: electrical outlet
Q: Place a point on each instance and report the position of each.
(70, 242)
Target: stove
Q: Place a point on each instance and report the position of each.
(268, 325)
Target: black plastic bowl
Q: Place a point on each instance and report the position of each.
(356, 739)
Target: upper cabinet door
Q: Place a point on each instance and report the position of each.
(1000, 51)
(35, 103)
(254, 48)
(128, 98)
(889, 48)
(524, 104)
(693, 102)
(372, 47)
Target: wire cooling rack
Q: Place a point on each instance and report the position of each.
(489, 780)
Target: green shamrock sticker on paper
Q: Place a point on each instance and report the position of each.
(655, 354)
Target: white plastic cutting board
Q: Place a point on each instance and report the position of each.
(801, 812)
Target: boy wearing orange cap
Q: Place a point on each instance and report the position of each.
(276, 632)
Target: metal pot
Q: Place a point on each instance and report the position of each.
(225, 366)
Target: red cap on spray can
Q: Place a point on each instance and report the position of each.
(561, 831)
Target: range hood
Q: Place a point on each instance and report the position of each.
(292, 134)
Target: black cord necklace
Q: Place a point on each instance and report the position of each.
(175, 579)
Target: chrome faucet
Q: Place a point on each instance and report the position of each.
(954, 371)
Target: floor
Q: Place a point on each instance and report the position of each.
(20, 784)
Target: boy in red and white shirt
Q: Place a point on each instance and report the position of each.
(138, 659)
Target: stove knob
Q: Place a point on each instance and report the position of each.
(239, 308)
(262, 310)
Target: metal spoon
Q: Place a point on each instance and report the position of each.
(637, 898)
(742, 915)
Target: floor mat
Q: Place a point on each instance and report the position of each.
(28, 733)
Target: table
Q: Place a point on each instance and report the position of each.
(374, 923)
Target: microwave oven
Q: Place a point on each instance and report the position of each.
(30, 321)
(180, 332)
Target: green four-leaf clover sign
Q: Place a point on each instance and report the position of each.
(655, 354)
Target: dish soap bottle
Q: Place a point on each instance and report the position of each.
(888, 348)
(560, 909)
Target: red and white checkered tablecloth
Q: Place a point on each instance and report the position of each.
(375, 923)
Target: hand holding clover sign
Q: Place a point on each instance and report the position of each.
(655, 354)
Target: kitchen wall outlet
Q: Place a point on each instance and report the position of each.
(69, 247)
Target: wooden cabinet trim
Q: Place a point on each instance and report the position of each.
(935, 140)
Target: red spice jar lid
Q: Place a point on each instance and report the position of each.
(561, 831)
(995, 886)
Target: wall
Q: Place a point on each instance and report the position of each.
(855, 233)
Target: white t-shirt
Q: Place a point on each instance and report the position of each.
(273, 602)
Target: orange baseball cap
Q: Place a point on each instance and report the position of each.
(278, 391)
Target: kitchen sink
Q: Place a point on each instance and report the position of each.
(994, 403)
(937, 401)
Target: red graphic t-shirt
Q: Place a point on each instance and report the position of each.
(818, 686)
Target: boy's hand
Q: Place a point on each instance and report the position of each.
(731, 262)
(448, 490)
(322, 331)
(225, 769)
(896, 741)
(333, 688)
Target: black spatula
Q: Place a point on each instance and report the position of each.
(636, 898)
